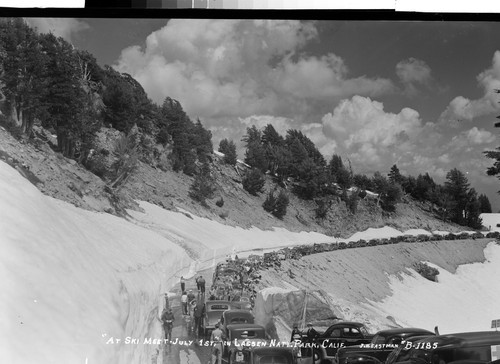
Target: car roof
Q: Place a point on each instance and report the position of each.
(237, 312)
(404, 330)
(243, 327)
(347, 323)
(477, 338)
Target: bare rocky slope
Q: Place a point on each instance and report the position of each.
(65, 179)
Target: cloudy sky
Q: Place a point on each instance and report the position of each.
(416, 94)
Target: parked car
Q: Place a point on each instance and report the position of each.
(273, 355)
(213, 312)
(235, 316)
(382, 344)
(241, 340)
(466, 347)
(340, 334)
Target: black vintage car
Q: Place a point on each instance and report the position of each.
(273, 355)
(466, 347)
(382, 344)
(233, 317)
(213, 313)
(241, 340)
(338, 335)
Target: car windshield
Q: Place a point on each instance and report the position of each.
(364, 331)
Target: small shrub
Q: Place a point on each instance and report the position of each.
(224, 214)
(220, 202)
(426, 271)
(323, 206)
(352, 202)
(97, 164)
(276, 205)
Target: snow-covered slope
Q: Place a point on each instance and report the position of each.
(464, 301)
(490, 221)
(71, 279)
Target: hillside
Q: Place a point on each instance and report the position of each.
(86, 276)
(65, 179)
(363, 284)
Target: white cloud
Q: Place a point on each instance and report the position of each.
(477, 136)
(462, 108)
(360, 121)
(413, 74)
(60, 27)
(239, 68)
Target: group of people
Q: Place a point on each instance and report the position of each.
(194, 305)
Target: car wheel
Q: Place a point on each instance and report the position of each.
(316, 357)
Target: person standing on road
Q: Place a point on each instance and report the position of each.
(296, 334)
(167, 319)
(183, 284)
(198, 283)
(216, 340)
(201, 281)
(184, 301)
(199, 313)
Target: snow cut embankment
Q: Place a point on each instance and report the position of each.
(71, 279)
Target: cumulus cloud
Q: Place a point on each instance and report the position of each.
(60, 27)
(414, 74)
(362, 125)
(239, 68)
(462, 108)
(374, 139)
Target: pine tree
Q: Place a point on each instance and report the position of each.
(270, 202)
(276, 205)
(484, 202)
(473, 210)
(228, 148)
(457, 188)
(394, 175)
(390, 197)
(282, 202)
(255, 155)
(24, 68)
(271, 138)
(203, 186)
(253, 181)
(201, 141)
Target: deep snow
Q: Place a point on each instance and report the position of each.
(71, 279)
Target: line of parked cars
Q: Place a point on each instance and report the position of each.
(349, 343)
(343, 342)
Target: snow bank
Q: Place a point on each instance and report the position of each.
(416, 232)
(71, 279)
(464, 301)
(208, 240)
(371, 233)
(490, 221)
